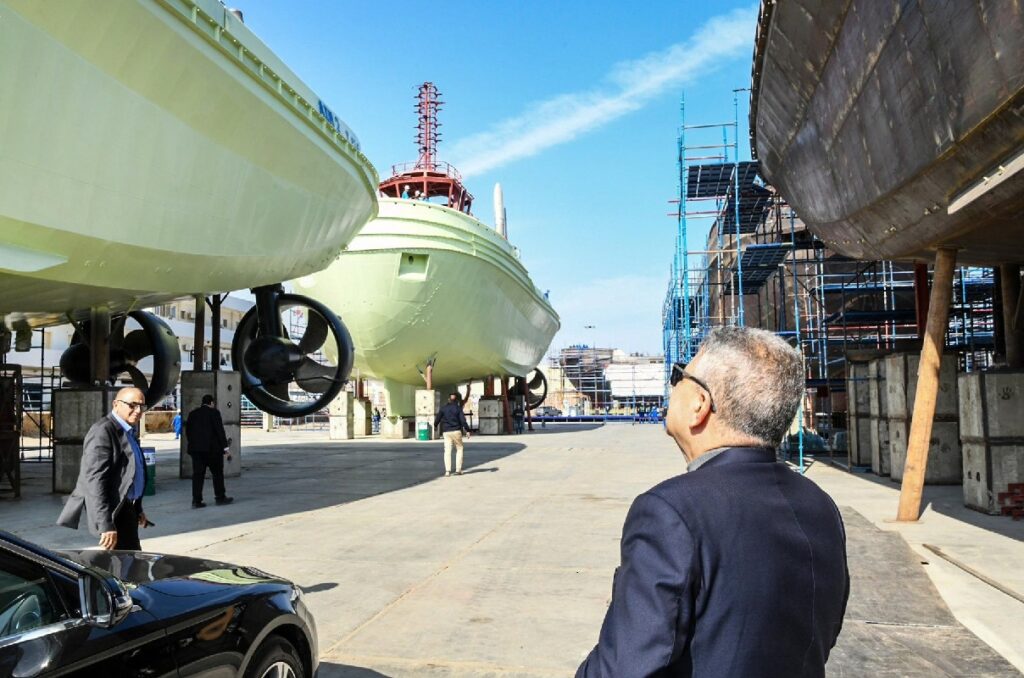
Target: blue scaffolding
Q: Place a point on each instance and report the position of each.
(724, 195)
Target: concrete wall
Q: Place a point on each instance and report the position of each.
(945, 464)
(992, 434)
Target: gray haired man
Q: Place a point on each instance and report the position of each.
(737, 567)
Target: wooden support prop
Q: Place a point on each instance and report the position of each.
(927, 387)
(199, 336)
(921, 297)
(505, 407)
(99, 346)
(215, 303)
(1013, 324)
(428, 375)
(489, 385)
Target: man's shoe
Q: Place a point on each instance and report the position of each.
(447, 473)
(199, 504)
(458, 473)
(224, 500)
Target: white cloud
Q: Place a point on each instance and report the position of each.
(625, 311)
(630, 86)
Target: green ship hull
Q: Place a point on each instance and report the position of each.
(152, 149)
(423, 282)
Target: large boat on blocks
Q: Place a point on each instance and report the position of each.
(895, 128)
(155, 149)
(425, 286)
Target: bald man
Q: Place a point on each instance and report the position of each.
(112, 477)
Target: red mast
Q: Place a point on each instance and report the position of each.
(427, 178)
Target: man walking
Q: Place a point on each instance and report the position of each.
(452, 422)
(738, 567)
(112, 477)
(207, 445)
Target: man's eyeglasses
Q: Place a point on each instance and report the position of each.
(679, 373)
(141, 407)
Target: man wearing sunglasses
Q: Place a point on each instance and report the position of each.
(112, 477)
(738, 566)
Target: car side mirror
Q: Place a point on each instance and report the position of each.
(104, 599)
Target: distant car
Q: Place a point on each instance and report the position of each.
(125, 613)
(813, 444)
(840, 443)
(547, 411)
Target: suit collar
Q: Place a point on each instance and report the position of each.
(125, 426)
(737, 455)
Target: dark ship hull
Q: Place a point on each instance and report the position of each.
(895, 127)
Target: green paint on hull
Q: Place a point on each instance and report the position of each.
(156, 149)
(423, 281)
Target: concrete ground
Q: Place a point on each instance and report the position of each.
(506, 570)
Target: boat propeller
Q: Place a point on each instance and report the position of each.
(270, 361)
(536, 389)
(154, 339)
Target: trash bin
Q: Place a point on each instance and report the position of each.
(423, 431)
(149, 455)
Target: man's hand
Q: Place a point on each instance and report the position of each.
(108, 540)
(142, 520)
(468, 435)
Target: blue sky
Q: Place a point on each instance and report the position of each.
(572, 106)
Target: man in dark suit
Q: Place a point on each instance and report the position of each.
(112, 477)
(737, 567)
(207, 445)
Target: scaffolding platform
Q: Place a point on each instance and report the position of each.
(755, 204)
(715, 180)
(757, 264)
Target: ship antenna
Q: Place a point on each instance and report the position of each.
(428, 135)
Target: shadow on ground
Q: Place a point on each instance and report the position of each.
(332, 670)
(948, 500)
(276, 481)
(896, 623)
(563, 428)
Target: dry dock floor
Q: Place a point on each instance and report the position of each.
(506, 570)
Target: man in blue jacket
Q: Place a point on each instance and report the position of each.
(737, 567)
(451, 421)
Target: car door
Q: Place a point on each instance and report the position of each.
(42, 631)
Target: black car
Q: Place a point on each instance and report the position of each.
(127, 613)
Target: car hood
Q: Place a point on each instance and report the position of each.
(147, 569)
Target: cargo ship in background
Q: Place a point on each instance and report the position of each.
(887, 145)
(427, 288)
(152, 150)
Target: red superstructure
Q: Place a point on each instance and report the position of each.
(427, 178)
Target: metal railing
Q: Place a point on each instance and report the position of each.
(442, 168)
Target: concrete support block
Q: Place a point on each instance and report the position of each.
(992, 434)
(342, 416)
(878, 418)
(858, 399)
(74, 411)
(362, 417)
(945, 463)
(491, 427)
(397, 428)
(491, 416)
(226, 388)
(428, 403)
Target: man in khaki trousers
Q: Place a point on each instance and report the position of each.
(452, 423)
